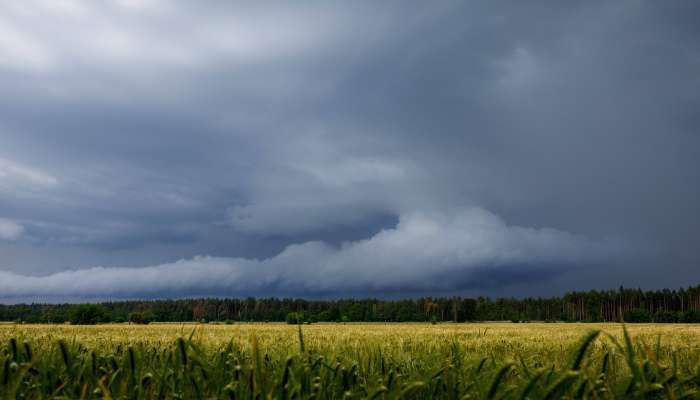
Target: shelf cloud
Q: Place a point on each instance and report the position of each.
(424, 252)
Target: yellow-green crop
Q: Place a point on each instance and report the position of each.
(453, 361)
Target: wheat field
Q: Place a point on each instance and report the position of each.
(354, 360)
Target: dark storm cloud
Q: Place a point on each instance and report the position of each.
(457, 247)
(135, 134)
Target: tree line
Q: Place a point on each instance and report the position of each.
(630, 305)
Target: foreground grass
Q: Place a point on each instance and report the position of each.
(480, 361)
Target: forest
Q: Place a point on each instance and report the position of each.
(623, 304)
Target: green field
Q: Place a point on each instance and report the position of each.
(413, 360)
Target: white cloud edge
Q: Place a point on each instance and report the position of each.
(423, 249)
(13, 174)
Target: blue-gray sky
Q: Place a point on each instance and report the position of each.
(323, 149)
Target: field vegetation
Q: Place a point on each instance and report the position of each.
(335, 361)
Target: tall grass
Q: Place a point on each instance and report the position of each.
(597, 365)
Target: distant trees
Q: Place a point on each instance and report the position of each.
(666, 316)
(140, 318)
(295, 318)
(691, 316)
(637, 315)
(467, 310)
(88, 314)
(631, 305)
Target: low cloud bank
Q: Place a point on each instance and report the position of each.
(426, 251)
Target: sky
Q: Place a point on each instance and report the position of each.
(324, 149)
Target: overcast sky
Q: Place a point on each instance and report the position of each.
(321, 149)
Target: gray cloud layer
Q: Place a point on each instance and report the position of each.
(433, 251)
(135, 134)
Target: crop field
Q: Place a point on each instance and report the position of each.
(363, 360)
